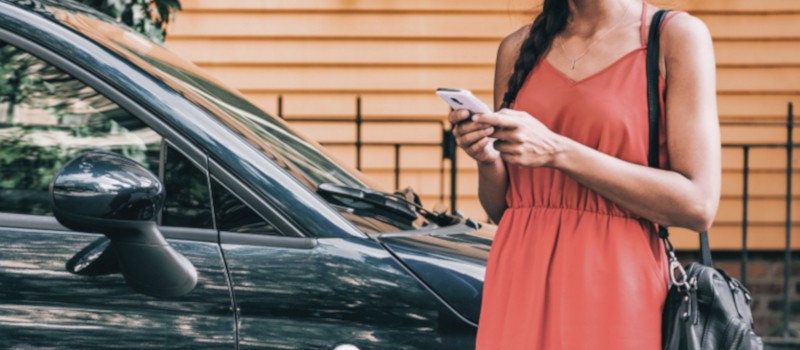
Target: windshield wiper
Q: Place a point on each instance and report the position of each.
(353, 197)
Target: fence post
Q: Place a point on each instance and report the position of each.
(449, 152)
(788, 252)
(396, 166)
(441, 160)
(453, 175)
(280, 106)
(358, 132)
(745, 195)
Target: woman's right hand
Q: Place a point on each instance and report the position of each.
(473, 137)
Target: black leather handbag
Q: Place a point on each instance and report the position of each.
(705, 308)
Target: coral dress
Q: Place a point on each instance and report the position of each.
(568, 269)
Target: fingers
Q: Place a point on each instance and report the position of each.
(505, 147)
(503, 120)
(511, 112)
(478, 146)
(458, 116)
(510, 158)
(512, 135)
(467, 127)
(468, 139)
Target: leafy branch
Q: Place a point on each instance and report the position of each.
(149, 17)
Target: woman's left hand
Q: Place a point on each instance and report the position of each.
(522, 139)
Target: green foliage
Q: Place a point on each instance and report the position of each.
(18, 153)
(17, 85)
(49, 116)
(149, 17)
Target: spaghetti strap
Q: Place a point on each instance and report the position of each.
(643, 26)
(666, 19)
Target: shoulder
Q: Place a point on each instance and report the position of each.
(509, 47)
(507, 54)
(684, 34)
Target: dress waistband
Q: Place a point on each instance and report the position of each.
(595, 212)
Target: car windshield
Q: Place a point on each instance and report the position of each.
(301, 156)
(306, 158)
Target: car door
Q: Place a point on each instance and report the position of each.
(56, 287)
(295, 291)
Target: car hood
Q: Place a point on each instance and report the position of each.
(450, 260)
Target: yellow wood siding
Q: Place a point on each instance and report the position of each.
(321, 54)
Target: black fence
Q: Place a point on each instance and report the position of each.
(448, 147)
(789, 146)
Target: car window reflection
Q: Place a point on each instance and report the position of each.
(46, 118)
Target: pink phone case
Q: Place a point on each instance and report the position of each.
(463, 99)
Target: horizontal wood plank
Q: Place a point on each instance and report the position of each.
(346, 25)
(480, 79)
(337, 52)
(272, 52)
(730, 6)
(751, 105)
(743, 107)
(357, 5)
(433, 25)
(772, 160)
(715, 6)
(727, 237)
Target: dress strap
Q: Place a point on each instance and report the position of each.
(666, 19)
(643, 25)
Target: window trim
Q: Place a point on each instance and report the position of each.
(249, 239)
(50, 223)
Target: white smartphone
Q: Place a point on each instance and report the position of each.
(463, 99)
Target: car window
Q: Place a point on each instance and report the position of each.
(46, 118)
(233, 215)
(187, 202)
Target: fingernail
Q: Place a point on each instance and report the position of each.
(463, 113)
(474, 117)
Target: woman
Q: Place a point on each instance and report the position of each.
(576, 262)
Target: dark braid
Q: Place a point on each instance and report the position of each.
(545, 27)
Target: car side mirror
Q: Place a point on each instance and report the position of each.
(113, 195)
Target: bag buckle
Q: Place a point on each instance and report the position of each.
(678, 280)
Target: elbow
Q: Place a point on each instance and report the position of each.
(697, 216)
(700, 215)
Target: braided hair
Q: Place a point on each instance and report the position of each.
(545, 27)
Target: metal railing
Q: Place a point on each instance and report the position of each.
(789, 146)
(448, 147)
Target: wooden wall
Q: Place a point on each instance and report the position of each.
(321, 54)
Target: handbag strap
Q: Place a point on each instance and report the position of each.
(654, 113)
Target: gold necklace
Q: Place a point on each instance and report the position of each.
(595, 40)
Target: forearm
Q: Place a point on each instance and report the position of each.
(492, 185)
(662, 196)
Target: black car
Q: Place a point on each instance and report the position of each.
(144, 205)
